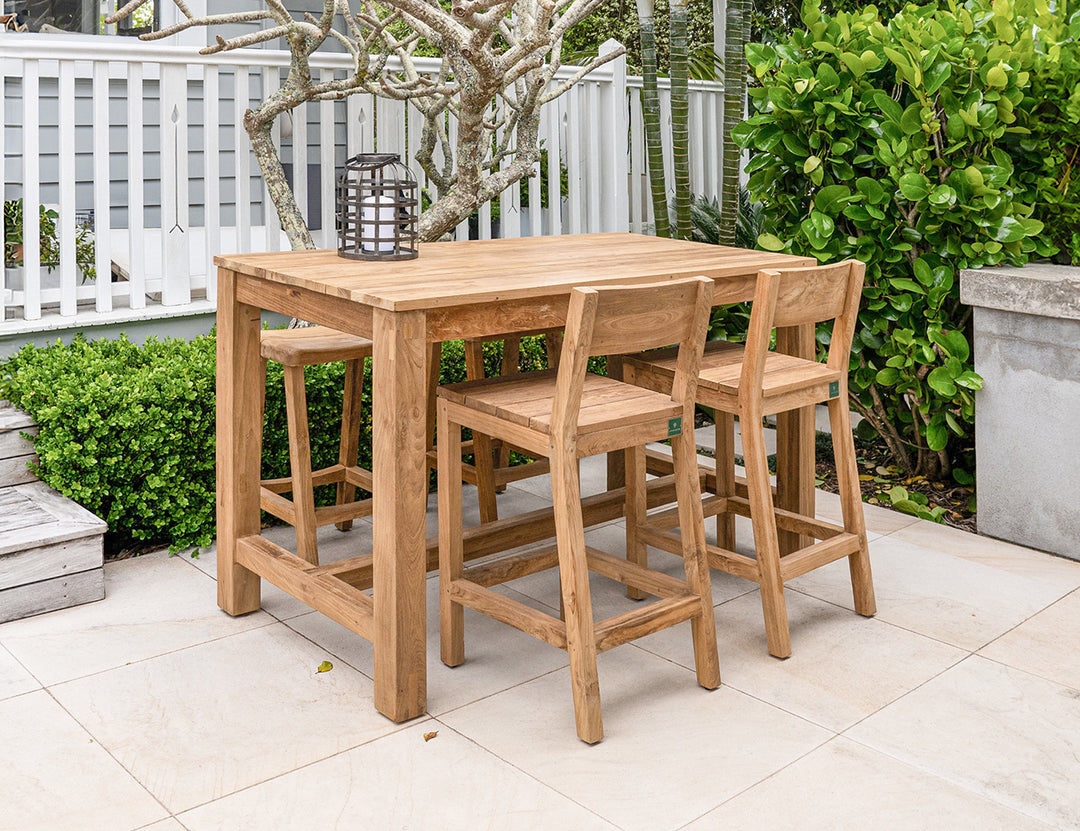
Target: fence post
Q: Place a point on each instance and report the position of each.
(175, 224)
(615, 206)
(31, 192)
(102, 186)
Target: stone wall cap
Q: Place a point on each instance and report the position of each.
(1037, 289)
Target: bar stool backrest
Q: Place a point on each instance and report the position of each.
(615, 319)
(797, 296)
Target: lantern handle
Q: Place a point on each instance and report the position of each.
(369, 161)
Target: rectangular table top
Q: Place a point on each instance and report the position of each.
(485, 271)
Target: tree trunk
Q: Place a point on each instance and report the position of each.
(650, 106)
(292, 220)
(738, 33)
(680, 119)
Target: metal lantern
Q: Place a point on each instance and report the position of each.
(377, 209)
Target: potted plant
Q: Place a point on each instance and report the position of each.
(49, 239)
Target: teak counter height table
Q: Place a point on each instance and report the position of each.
(453, 290)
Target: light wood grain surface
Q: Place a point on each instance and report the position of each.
(465, 273)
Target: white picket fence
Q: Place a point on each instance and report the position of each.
(145, 137)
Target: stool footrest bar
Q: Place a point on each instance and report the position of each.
(528, 620)
(637, 623)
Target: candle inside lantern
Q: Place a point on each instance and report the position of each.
(380, 228)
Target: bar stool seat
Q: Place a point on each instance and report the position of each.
(606, 405)
(295, 349)
(721, 373)
(307, 346)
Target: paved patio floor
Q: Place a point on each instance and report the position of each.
(957, 706)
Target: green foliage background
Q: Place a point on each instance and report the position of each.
(915, 145)
(618, 19)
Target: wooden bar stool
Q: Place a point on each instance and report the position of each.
(751, 382)
(565, 415)
(295, 349)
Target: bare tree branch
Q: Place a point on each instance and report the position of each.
(480, 110)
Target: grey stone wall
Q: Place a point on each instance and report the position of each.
(1027, 417)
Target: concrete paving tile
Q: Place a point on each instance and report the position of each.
(200, 723)
(1023, 562)
(14, 679)
(153, 604)
(959, 601)
(497, 656)
(1001, 732)
(844, 786)
(671, 752)
(53, 775)
(1042, 644)
(401, 782)
(843, 667)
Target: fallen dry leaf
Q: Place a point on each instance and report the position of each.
(429, 736)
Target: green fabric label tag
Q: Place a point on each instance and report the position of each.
(834, 389)
(674, 426)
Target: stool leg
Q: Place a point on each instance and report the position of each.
(451, 557)
(635, 509)
(511, 365)
(303, 494)
(577, 602)
(483, 459)
(349, 451)
(765, 537)
(553, 348)
(847, 477)
(725, 476)
(695, 560)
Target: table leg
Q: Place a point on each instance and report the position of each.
(399, 459)
(795, 444)
(239, 442)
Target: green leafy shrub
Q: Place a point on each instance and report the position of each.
(893, 143)
(127, 431)
(1050, 162)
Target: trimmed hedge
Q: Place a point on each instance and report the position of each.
(127, 431)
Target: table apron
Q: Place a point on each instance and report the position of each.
(325, 309)
(443, 323)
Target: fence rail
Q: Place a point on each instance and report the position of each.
(145, 140)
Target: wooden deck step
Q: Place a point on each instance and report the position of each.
(16, 452)
(51, 552)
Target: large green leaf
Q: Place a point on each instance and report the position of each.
(914, 186)
(937, 437)
(941, 382)
(1009, 230)
(936, 75)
